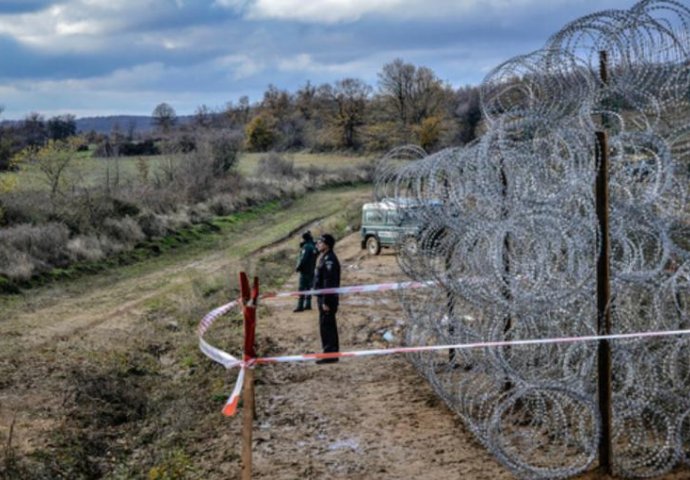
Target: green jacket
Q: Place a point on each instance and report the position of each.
(306, 262)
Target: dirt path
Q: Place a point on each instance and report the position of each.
(368, 418)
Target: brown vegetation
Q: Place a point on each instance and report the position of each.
(74, 223)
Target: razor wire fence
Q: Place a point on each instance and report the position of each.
(510, 233)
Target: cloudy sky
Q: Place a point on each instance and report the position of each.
(107, 57)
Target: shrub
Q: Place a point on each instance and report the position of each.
(223, 204)
(199, 213)
(45, 245)
(224, 148)
(273, 165)
(124, 207)
(175, 464)
(429, 132)
(85, 248)
(260, 132)
(182, 218)
(147, 147)
(15, 265)
(125, 230)
(152, 225)
(25, 207)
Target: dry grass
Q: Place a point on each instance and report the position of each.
(178, 193)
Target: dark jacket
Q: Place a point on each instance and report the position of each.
(328, 276)
(306, 261)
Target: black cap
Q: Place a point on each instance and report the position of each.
(306, 236)
(327, 239)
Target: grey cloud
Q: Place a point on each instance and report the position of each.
(459, 50)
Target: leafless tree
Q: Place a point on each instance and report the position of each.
(350, 100)
(164, 117)
(410, 94)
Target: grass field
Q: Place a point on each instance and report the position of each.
(92, 171)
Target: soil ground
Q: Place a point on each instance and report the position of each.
(367, 417)
(362, 418)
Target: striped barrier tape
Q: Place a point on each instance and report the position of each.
(229, 361)
(376, 287)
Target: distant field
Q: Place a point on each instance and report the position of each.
(248, 161)
(90, 171)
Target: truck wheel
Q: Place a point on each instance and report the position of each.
(410, 245)
(373, 246)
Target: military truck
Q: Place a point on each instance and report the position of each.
(390, 223)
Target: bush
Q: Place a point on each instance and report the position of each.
(85, 248)
(46, 243)
(26, 250)
(224, 150)
(125, 230)
(28, 207)
(130, 149)
(223, 204)
(273, 165)
(152, 225)
(15, 265)
(261, 133)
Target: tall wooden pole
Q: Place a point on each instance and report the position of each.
(249, 299)
(507, 292)
(604, 289)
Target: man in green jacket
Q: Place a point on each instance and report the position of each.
(306, 262)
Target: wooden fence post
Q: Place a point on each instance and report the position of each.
(604, 289)
(249, 299)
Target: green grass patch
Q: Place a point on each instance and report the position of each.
(248, 161)
(93, 171)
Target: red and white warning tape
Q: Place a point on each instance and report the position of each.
(376, 287)
(229, 361)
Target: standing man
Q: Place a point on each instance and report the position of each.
(327, 276)
(305, 266)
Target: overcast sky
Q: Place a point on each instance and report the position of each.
(107, 57)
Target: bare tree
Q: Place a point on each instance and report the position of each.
(53, 160)
(410, 94)
(238, 115)
(34, 129)
(203, 117)
(276, 102)
(395, 84)
(305, 100)
(164, 117)
(61, 127)
(428, 95)
(350, 100)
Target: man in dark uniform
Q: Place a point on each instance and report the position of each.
(327, 276)
(305, 266)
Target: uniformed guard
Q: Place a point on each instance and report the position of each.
(305, 266)
(327, 276)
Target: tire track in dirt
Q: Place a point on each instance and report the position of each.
(80, 313)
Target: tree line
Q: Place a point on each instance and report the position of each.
(409, 104)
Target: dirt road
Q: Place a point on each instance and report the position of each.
(367, 418)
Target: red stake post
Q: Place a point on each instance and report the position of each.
(249, 299)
